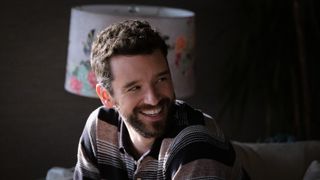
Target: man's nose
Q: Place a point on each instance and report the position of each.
(151, 97)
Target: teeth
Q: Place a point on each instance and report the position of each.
(152, 111)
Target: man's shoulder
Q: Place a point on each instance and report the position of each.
(102, 117)
(104, 114)
(201, 135)
(188, 117)
(103, 125)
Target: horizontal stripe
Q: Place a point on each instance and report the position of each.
(192, 137)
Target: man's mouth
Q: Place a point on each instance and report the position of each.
(152, 112)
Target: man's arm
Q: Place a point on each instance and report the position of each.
(86, 167)
(200, 163)
(197, 153)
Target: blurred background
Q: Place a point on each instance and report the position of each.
(255, 66)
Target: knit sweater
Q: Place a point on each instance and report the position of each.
(193, 147)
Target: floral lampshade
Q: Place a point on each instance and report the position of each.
(175, 25)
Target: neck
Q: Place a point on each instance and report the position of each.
(140, 144)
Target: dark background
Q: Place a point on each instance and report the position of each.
(254, 75)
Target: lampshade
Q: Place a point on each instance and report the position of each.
(175, 25)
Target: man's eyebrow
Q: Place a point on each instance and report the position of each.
(129, 84)
(165, 72)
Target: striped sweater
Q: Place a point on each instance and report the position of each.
(193, 148)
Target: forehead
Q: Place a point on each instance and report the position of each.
(136, 67)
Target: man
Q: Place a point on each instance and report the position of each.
(142, 131)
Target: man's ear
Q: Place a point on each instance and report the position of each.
(104, 96)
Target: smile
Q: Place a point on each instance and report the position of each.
(152, 112)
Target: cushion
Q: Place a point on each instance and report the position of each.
(313, 171)
(265, 161)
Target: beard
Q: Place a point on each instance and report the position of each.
(153, 129)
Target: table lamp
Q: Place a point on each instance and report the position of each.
(175, 25)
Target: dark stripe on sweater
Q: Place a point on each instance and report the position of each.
(201, 150)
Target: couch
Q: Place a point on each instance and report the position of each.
(280, 161)
(262, 161)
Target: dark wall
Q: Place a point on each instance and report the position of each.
(40, 123)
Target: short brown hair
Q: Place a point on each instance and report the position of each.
(130, 37)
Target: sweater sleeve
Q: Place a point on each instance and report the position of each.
(203, 152)
(86, 167)
(195, 162)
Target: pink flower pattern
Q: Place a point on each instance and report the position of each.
(75, 84)
(92, 79)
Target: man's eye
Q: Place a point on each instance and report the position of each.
(134, 88)
(161, 79)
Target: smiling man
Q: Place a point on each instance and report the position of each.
(142, 131)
